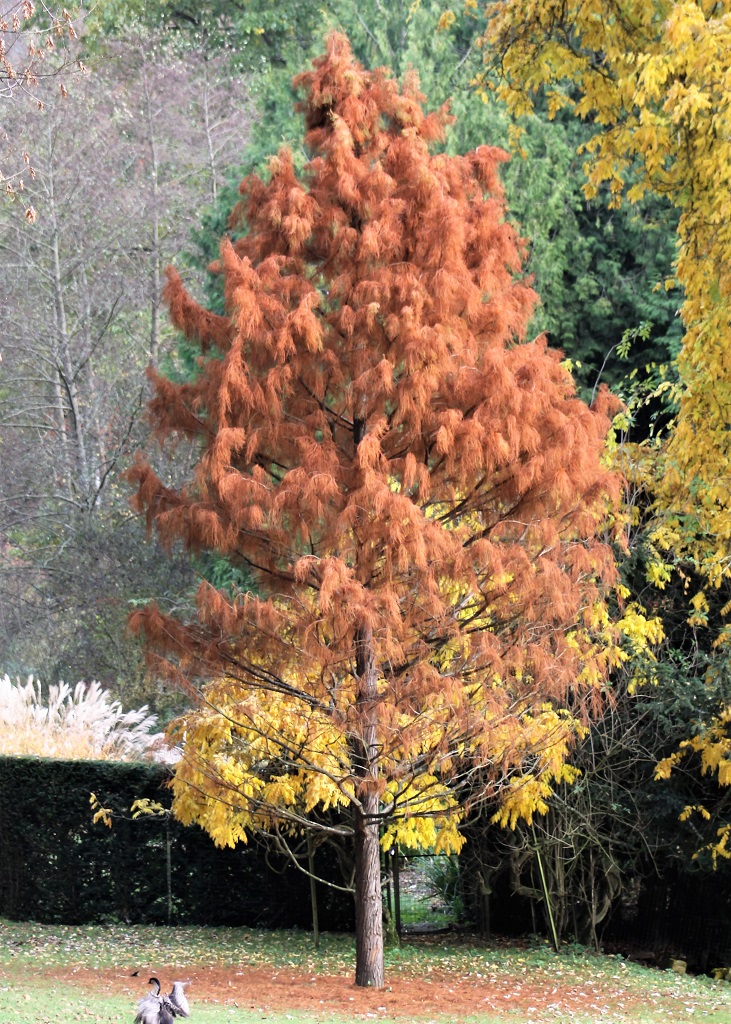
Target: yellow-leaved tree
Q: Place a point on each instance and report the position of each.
(654, 78)
(417, 489)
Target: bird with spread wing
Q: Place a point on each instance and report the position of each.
(157, 1008)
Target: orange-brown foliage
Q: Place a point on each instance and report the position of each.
(381, 446)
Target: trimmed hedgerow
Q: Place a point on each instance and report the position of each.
(58, 866)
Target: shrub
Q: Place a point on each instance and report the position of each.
(81, 723)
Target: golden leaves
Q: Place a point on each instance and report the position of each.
(713, 745)
(656, 85)
(101, 813)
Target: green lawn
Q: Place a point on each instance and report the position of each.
(59, 975)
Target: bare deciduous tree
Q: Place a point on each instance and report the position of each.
(121, 168)
(34, 46)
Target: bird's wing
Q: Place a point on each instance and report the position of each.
(148, 1011)
(148, 1015)
(180, 1005)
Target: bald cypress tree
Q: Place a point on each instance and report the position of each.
(416, 488)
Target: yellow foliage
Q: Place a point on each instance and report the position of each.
(435, 819)
(664, 767)
(655, 81)
(660, 99)
(148, 808)
(103, 814)
(713, 744)
(528, 792)
(641, 635)
(688, 811)
(252, 763)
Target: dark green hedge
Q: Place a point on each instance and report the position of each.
(56, 865)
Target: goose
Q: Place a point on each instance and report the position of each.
(156, 1008)
(151, 1009)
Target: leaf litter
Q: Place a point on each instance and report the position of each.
(281, 973)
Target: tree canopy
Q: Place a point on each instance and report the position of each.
(652, 77)
(417, 490)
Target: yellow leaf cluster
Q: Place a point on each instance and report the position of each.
(641, 635)
(272, 765)
(713, 745)
(435, 826)
(101, 813)
(148, 808)
(656, 82)
(528, 792)
(253, 761)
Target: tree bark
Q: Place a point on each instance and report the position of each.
(368, 908)
(313, 890)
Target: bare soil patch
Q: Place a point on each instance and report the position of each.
(408, 996)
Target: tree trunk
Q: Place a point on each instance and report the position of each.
(208, 127)
(313, 890)
(155, 254)
(397, 889)
(368, 907)
(66, 385)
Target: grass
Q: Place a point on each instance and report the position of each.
(38, 946)
(427, 892)
(59, 975)
(57, 1005)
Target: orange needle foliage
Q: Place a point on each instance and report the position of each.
(418, 491)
